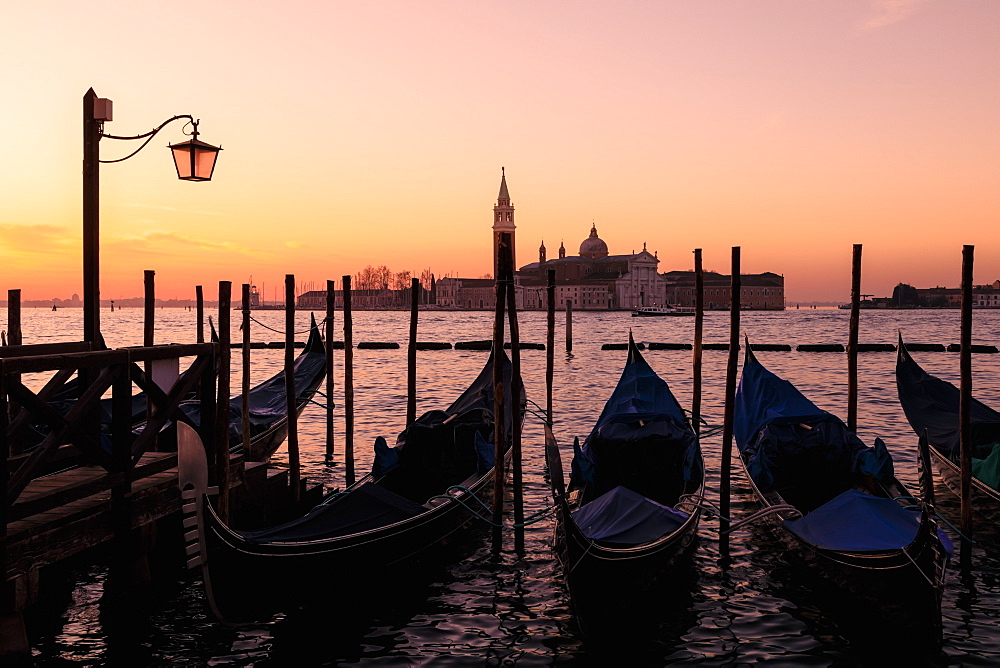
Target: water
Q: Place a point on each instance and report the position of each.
(470, 610)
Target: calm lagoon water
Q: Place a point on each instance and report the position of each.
(471, 610)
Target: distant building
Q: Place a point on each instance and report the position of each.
(364, 299)
(907, 296)
(757, 291)
(593, 280)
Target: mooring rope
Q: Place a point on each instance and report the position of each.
(937, 515)
(761, 514)
(281, 331)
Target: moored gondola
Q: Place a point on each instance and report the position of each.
(633, 501)
(417, 495)
(268, 409)
(837, 502)
(931, 407)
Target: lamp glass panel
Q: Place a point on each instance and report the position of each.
(204, 163)
(182, 160)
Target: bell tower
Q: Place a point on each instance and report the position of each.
(503, 222)
(541, 253)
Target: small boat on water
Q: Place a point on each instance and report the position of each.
(931, 407)
(632, 505)
(417, 495)
(837, 502)
(658, 311)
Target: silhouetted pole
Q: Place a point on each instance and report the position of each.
(13, 339)
(91, 220)
(14, 318)
(498, 403)
(149, 307)
(149, 328)
(727, 425)
(411, 354)
(699, 326)
(348, 385)
(965, 406)
(550, 344)
(290, 395)
(331, 309)
(852, 341)
(199, 297)
(245, 403)
(569, 325)
(222, 400)
(515, 393)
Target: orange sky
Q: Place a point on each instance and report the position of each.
(373, 133)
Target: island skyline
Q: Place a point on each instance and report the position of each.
(368, 135)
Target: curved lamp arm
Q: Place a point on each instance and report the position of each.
(149, 135)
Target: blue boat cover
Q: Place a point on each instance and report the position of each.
(642, 420)
(368, 506)
(932, 404)
(857, 522)
(624, 517)
(785, 439)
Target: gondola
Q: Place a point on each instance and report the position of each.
(417, 495)
(268, 408)
(632, 504)
(931, 407)
(837, 503)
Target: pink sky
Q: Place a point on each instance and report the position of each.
(373, 133)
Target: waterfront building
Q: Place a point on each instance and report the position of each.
(907, 296)
(764, 291)
(372, 298)
(594, 279)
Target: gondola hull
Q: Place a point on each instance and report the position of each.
(985, 500)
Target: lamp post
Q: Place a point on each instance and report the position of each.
(193, 159)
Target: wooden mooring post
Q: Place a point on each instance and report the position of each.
(699, 326)
(727, 425)
(331, 309)
(965, 408)
(14, 329)
(199, 299)
(348, 385)
(852, 341)
(222, 399)
(290, 397)
(515, 393)
(245, 384)
(550, 344)
(148, 307)
(498, 406)
(411, 354)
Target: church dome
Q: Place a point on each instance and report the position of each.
(593, 247)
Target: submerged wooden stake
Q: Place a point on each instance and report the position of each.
(290, 396)
(727, 426)
(852, 341)
(245, 404)
(569, 325)
(411, 354)
(965, 406)
(331, 309)
(699, 325)
(348, 385)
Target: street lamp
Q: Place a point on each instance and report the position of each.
(193, 159)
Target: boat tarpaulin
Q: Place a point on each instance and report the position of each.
(642, 421)
(785, 439)
(931, 404)
(763, 398)
(857, 522)
(367, 507)
(624, 517)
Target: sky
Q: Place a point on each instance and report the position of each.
(369, 133)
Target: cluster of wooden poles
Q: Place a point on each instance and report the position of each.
(505, 301)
